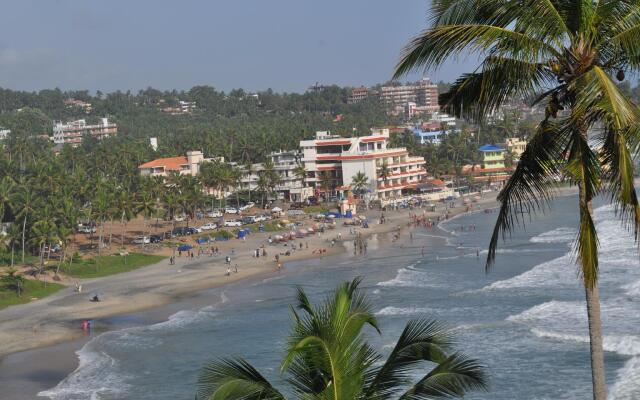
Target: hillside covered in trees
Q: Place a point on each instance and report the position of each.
(238, 125)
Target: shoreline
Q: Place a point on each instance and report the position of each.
(57, 318)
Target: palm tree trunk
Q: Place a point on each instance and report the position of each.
(595, 331)
(595, 338)
(24, 227)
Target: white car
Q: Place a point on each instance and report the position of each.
(230, 210)
(234, 222)
(179, 218)
(87, 229)
(142, 240)
(209, 227)
(260, 218)
(214, 214)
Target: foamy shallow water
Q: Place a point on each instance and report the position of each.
(526, 320)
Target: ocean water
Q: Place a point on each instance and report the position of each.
(525, 320)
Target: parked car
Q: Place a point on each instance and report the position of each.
(214, 214)
(142, 240)
(230, 210)
(87, 229)
(296, 206)
(178, 232)
(54, 249)
(155, 238)
(233, 222)
(191, 231)
(209, 226)
(259, 218)
(179, 218)
(249, 219)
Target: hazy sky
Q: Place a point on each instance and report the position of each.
(286, 45)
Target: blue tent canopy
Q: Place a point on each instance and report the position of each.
(185, 247)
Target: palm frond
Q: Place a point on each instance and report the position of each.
(599, 97)
(456, 12)
(234, 379)
(583, 168)
(530, 188)
(435, 45)
(619, 175)
(477, 94)
(421, 340)
(454, 377)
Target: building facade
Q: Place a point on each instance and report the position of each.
(423, 94)
(184, 165)
(332, 161)
(357, 95)
(73, 132)
(492, 169)
(516, 147)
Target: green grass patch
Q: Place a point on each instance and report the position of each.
(109, 265)
(5, 258)
(30, 289)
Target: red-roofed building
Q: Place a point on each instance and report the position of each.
(185, 165)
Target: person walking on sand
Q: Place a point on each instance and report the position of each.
(236, 267)
(228, 271)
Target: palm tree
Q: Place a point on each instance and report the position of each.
(325, 183)
(301, 173)
(328, 357)
(359, 183)
(248, 173)
(24, 203)
(565, 55)
(146, 206)
(384, 171)
(7, 187)
(101, 210)
(126, 209)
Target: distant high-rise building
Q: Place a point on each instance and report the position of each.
(423, 94)
(357, 95)
(73, 132)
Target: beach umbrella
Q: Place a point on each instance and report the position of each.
(185, 247)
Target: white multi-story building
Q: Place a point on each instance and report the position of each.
(292, 187)
(73, 132)
(332, 161)
(4, 133)
(424, 94)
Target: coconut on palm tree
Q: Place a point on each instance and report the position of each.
(328, 357)
(567, 55)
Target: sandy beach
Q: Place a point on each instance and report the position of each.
(57, 318)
